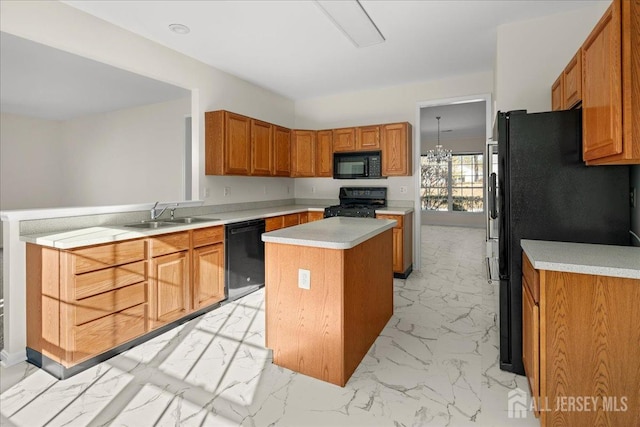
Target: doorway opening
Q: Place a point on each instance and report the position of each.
(451, 190)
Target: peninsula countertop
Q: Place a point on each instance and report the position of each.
(602, 260)
(330, 233)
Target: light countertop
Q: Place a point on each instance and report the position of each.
(602, 260)
(330, 233)
(106, 234)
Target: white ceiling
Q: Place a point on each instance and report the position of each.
(40, 81)
(457, 121)
(292, 48)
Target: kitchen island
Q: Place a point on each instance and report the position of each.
(329, 293)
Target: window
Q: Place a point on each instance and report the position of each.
(453, 186)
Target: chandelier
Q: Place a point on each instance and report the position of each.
(439, 154)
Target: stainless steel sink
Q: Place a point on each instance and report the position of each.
(150, 224)
(189, 220)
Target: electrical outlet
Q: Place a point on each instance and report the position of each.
(288, 190)
(304, 278)
(264, 189)
(227, 191)
(633, 197)
(313, 189)
(206, 192)
(403, 189)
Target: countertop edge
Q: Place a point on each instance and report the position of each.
(329, 244)
(602, 266)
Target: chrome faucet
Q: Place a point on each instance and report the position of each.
(155, 215)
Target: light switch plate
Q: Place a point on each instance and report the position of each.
(304, 278)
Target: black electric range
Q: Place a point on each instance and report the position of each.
(359, 202)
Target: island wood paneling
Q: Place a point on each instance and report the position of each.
(43, 301)
(325, 331)
(368, 296)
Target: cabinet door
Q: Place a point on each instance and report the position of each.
(368, 138)
(573, 81)
(396, 149)
(237, 144)
(274, 223)
(303, 153)
(557, 93)
(344, 139)
(397, 251)
(315, 216)
(208, 275)
(169, 289)
(303, 217)
(531, 342)
(282, 151)
(261, 148)
(602, 89)
(290, 220)
(324, 153)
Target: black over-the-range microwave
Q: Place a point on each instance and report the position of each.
(363, 164)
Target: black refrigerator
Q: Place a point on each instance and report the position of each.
(545, 192)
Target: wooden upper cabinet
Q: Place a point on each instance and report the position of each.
(557, 93)
(227, 143)
(303, 153)
(324, 153)
(282, 151)
(261, 148)
(344, 139)
(368, 138)
(395, 143)
(611, 87)
(572, 76)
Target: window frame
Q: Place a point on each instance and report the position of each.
(450, 185)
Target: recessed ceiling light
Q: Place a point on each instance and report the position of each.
(179, 29)
(351, 18)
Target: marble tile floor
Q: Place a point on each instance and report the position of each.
(434, 364)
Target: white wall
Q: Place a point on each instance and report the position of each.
(385, 105)
(29, 162)
(126, 157)
(123, 157)
(531, 54)
(63, 27)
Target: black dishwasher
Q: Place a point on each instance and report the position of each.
(244, 257)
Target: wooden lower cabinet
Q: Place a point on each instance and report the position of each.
(86, 301)
(169, 287)
(283, 221)
(208, 275)
(581, 339)
(315, 216)
(402, 243)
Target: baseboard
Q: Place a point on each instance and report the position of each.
(10, 359)
(405, 274)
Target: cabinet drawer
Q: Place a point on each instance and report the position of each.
(531, 278)
(393, 217)
(109, 279)
(315, 216)
(105, 333)
(112, 254)
(273, 223)
(208, 236)
(101, 305)
(290, 220)
(169, 243)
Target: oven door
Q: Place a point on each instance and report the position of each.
(350, 166)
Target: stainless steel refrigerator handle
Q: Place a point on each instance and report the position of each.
(488, 269)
